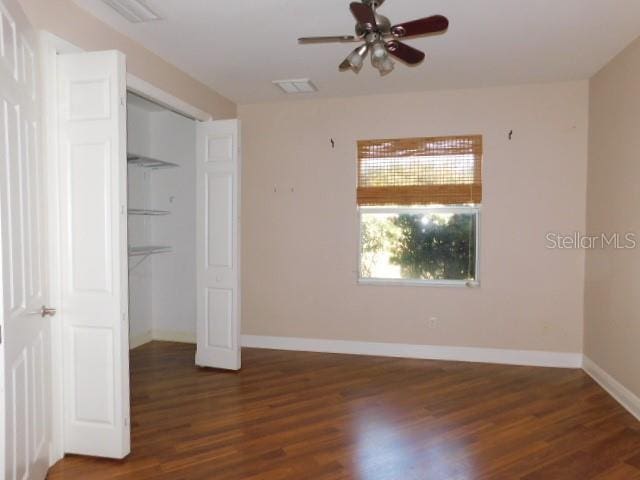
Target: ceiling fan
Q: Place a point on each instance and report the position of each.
(381, 38)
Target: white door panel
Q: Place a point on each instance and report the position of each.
(25, 422)
(218, 208)
(91, 90)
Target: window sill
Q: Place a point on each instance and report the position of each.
(385, 282)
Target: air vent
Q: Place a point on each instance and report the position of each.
(301, 85)
(136, 11)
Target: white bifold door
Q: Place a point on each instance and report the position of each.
(25, 420)
(91, 208)
(93, 253)
(218, 256)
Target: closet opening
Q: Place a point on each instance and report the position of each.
(161, 184)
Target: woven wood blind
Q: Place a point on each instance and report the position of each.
(420, 171)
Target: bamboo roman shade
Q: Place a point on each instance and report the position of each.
(420, 171)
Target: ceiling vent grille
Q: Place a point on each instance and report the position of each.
(136, 11)
(301, 85)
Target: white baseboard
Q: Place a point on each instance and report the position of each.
(139, 340)
(427, 352)
(613, 387)
(173, 336)
(162, 336)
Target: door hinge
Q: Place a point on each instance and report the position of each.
(0, 334)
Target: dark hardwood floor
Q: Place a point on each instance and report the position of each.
(308, 416)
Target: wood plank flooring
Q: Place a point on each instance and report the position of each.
(309, 416)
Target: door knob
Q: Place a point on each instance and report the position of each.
(47, 312)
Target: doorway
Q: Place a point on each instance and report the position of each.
(161, 185)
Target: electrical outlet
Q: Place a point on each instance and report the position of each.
(432, 322)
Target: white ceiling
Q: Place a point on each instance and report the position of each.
(238, 47)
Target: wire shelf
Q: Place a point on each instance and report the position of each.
(148, 162)
(152, 213)
(144, 251)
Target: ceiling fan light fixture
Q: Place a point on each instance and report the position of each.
(386, 66)
(380, 58)
(356, 58)
(378, 52)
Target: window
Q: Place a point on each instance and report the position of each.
(419, 202)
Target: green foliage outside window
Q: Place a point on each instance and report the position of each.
(423, 246)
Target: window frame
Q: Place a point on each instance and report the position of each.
(424, 209)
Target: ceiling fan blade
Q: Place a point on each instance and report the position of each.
(404, 52)
(423, 26)
(364, 14)
(336, 38)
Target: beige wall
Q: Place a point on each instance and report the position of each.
(68, 21)
(612, 298)
(300, 241)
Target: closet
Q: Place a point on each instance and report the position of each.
(161, 160)
(144, 239)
